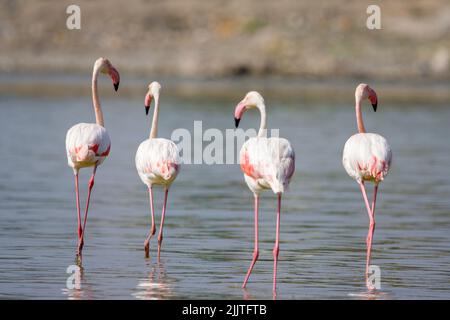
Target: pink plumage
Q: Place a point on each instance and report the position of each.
(157, 163)
(267, 163)
(367, 157)
(88, 144)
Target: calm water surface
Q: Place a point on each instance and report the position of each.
(209, 225)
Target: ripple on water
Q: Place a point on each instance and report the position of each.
(208, 239)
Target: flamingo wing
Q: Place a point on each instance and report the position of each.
(157, 161)
(269, 162)
(367, 156)
(285, 164)
(87, 144)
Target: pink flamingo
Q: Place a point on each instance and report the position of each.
(367, 157)
(88, 144)
(157, 163)
(267, 163)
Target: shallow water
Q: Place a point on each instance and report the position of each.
(209, 224)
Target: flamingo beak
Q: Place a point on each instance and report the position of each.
(373, 99)
(147, 102)
(374, 105)
(239, 111)
(114, 74)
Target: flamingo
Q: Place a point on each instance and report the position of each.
(267, 163)
(88, 144)
(157, 163)
(367, 157)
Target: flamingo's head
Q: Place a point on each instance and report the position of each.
(363, 91)
(153, 92)
(252, 100)
(105, 67)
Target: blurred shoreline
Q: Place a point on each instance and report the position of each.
(287, 89)
(198, 39)
(288, 49)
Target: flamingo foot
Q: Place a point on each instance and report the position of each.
(255, 258)
(78, 259)
(80, 246)
(160, 239)
(147, 241)
(147, 248)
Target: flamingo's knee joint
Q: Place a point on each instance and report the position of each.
(276, 251)
(91, 183)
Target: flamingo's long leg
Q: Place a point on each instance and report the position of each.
(80, 230)
(374, 200)
(90, 186)
(276, 248)
(371, 223)
(256, 251)
(160, 235)
(153, 228)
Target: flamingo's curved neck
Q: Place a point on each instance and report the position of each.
(359, 119)
(154, 130)
(96, 99)
(263, 126)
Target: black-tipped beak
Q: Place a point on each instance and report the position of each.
(374, 105)
(116, 86)
(236, 122)
(146, 110)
